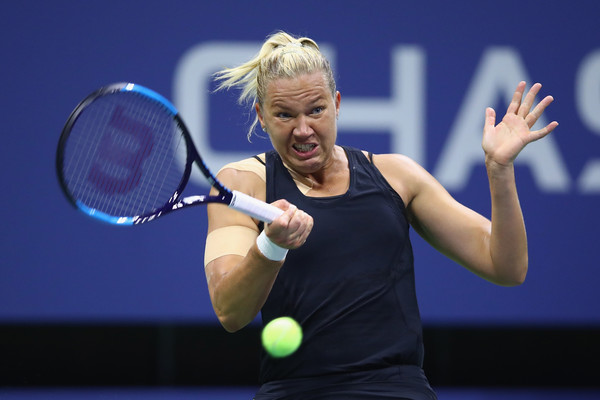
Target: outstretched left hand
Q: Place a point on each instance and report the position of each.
(503, 142)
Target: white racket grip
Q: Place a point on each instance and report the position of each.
(254, 207)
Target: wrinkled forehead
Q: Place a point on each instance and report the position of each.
(304, 88)
(316, 83)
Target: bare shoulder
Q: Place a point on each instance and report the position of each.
(395, 161)
(247, 176)
(244, 176)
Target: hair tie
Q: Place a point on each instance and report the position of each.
(291, 48)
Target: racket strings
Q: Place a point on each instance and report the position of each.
(121, 155)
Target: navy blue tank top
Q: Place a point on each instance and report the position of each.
(350, 286)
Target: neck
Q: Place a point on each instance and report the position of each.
(333, 178)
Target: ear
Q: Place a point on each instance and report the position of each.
(338, 100)
(259, 115)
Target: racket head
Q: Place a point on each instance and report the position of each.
(118, 155)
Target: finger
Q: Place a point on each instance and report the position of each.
(306, 226)
(537, 112)
(490, 117)
(283, 221)
(290, 213)
(282, 204)
(540, 133)
(528, 101)
(307, 229)
(490, 121)
(300, 228)
(513, 107)
(298, 223)
(281, 230)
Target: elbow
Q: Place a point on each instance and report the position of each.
(230, 326)
(521, 278)
(516, 278)
(521, 272)
(516, 281)
(231, 323)
(509, 269)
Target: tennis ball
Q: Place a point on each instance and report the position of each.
(281, 337)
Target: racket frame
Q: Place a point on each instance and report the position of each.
(234, 199)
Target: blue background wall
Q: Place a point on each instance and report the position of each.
(455, 57)
(59, 265)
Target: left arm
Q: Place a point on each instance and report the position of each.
(501, 144)
(495, 249)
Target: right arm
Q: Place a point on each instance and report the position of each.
(239, 285)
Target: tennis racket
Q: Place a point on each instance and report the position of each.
(117, 160)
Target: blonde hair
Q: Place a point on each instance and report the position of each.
(281, 56)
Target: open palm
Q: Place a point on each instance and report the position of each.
(503, 142)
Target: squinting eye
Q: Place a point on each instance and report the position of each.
(318, 110)
(283, 115)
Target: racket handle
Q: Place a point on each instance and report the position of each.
(254, 207)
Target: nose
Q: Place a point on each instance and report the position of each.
(303, 127)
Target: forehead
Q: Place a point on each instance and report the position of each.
(304, 87)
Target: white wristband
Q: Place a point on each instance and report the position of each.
(270, 249)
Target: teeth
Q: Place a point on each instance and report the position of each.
(304, 147)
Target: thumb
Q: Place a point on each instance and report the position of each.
(490, 117)
(289, 210)
(281, 204)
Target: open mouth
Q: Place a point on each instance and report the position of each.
(304, 148)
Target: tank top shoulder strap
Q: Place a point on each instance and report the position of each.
(260, 160)
(368, 164)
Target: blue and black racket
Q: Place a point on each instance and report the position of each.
(117, 159)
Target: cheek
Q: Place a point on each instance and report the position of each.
(278, 141)
(331, 130)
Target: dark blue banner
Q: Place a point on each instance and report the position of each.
(415, 78)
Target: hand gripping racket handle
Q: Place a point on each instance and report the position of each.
(254, 207)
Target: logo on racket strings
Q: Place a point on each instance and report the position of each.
(118, 166)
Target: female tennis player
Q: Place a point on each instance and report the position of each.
(339, 259)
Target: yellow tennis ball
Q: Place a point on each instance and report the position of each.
(281, 337)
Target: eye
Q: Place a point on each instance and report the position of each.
(317, 110)
(283, 115)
